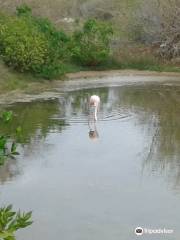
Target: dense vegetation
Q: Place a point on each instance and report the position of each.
(35, 45)
(32, 44)
(91, 45)
(77, 35)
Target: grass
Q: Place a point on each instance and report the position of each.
(11, 80)
(131, 57)
(145, 65)
(142, 58)
(128, 63)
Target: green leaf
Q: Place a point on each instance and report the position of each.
(7, 116)
(11, 221)
(6, 235)
(8, 208)
(10, 238)
(28, 215)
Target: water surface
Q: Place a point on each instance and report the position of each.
(84, 189)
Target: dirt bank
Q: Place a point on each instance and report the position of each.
(108, 73)
(84, 80)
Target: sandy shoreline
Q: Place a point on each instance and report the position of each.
(79, 80)
(92, 74)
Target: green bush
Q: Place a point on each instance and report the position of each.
(91, 46)
(35, 45)
(57, 44)
(32, 44)
(23, 10)
(58, 52)
(23, 47)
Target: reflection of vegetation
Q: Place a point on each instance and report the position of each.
(9, 170)
(159, 106)
(156, 107)
(6, 152)
(11, 221)
(38, 118)
(78, 100)
(34, 119)
(161, 102)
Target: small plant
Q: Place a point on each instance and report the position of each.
(91, 46)
(23, 10)
(11, 221)
(5, 151)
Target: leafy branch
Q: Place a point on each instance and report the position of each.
(11, 221)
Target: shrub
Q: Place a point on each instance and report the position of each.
(91, 46)
(57, 39)
(32, 44)
(58, 52)
(23, 47)
(23, 10)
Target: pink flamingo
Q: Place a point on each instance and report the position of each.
(94, 104)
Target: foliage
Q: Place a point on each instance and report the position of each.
(91, 46)
(32, 44)
(5, 151)
(57, 48)
(22, 46)
(11, 221)
(23, 10)
(57, 39)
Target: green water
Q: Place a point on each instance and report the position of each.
(84, 189)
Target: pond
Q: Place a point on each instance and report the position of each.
(81, 188)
